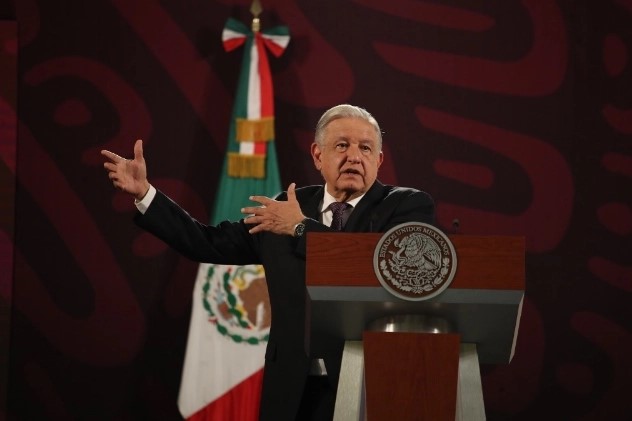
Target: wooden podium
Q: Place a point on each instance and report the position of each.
(422, 373)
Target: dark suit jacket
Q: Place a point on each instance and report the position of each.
(289, 352)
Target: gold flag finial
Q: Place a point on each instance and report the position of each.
(255, 9)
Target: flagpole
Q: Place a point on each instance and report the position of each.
(255, 9)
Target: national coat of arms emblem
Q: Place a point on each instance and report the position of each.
(415, 261)
(236, 300)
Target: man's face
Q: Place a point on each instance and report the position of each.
(349, 157)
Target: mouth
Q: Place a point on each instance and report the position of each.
(350, 171)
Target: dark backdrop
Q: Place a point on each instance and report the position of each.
(515, 115)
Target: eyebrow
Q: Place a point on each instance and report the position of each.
(346, 139)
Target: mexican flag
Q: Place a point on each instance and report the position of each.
(230, 318)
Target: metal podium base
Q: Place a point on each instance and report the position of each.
(350, 401)
(411, 323)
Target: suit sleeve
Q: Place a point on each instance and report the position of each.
(226, 243)
(311, 225)
(407, 205)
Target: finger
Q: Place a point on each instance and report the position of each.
(138, 150)
(291, 193)
(109, 166)
(112, 156)
(252, 220)
(257, 227)
(252, 210)
(261, 199)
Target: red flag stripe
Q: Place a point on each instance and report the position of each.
(241, 403)
(267, 104)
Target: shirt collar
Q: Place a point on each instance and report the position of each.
(329, 199)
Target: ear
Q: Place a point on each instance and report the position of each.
(380, 159)
(316, 154)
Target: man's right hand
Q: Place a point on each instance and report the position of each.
(129, 175)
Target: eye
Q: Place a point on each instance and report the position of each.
(365, 148)
(342, 146)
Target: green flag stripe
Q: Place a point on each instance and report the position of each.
(233, 192)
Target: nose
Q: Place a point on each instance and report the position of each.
(353, 155)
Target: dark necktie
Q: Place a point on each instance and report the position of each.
(338, 209)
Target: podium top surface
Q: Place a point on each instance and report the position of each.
(484, 262)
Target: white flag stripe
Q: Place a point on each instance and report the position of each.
(247, 148)
(254, 84)
(230, 34)
(280, 40)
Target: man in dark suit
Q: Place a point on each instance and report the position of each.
(347, 151)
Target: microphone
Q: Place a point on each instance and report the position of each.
(373, 219)
(456, 224)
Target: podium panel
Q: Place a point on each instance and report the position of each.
(411, 376)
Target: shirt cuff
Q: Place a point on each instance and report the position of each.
(143, 204)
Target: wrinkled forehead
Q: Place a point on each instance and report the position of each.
(374, 137)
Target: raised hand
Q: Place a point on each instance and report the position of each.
(278, 217)
(129, 175)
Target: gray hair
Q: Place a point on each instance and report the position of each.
(345, 111)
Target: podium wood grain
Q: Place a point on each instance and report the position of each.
(411, 376)
(484, 262)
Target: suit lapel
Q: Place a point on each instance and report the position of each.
(310, 207)
(361, 218)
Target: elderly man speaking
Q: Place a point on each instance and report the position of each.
(347, 150)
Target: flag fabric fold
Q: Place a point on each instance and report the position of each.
(230, 316)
